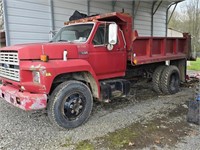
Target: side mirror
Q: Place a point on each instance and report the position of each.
(112, 35)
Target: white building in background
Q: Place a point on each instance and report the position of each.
(32, 20)
(174, 33)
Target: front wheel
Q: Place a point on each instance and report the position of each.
(70, 104)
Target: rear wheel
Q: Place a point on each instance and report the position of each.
(170, 80)
(156, 79)
(70, 104)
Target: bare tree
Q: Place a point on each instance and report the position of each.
(188, 20)
(193, 13)
(176, 21)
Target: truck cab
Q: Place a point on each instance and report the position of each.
(94, 46)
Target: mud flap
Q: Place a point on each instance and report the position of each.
(193, 115)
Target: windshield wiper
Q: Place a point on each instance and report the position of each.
(63, 41)
(59, 41)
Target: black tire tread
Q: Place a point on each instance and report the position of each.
(53, 98)
(156, 79)
(165, 79)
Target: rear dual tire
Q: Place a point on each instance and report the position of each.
(157, 78)
(166, 80)
(170, 80)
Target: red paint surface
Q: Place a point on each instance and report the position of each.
(28, 101)
(157, 49)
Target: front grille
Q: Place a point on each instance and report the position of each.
(9, 65)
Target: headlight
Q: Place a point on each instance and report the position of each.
(36, 76)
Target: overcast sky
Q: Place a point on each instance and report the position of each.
(181, 5)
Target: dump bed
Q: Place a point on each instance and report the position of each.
(156, 49)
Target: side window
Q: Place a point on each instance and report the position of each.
(101, 36)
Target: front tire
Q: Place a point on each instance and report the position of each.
(70, 104)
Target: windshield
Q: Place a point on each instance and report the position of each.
(73, 33)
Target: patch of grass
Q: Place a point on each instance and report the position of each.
(120, 138)
(137, 136)
(67, 143)
(194, 65)
(85, 145)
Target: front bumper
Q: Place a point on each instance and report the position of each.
(23, 100)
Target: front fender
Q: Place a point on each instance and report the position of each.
(51, 69)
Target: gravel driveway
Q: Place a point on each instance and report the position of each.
(32, 130)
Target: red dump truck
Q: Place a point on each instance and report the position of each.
(89, 59)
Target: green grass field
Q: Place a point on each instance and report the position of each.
(194, 65)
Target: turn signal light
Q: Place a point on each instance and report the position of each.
(44, 58)
(135, 61)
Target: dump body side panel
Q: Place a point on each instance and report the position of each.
(157, 49)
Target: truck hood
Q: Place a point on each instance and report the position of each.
(53, 50)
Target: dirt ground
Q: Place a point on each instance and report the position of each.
(143, 120)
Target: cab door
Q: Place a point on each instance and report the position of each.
(107, 63)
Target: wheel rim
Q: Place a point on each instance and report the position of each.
(174, 81)
(74, 106)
